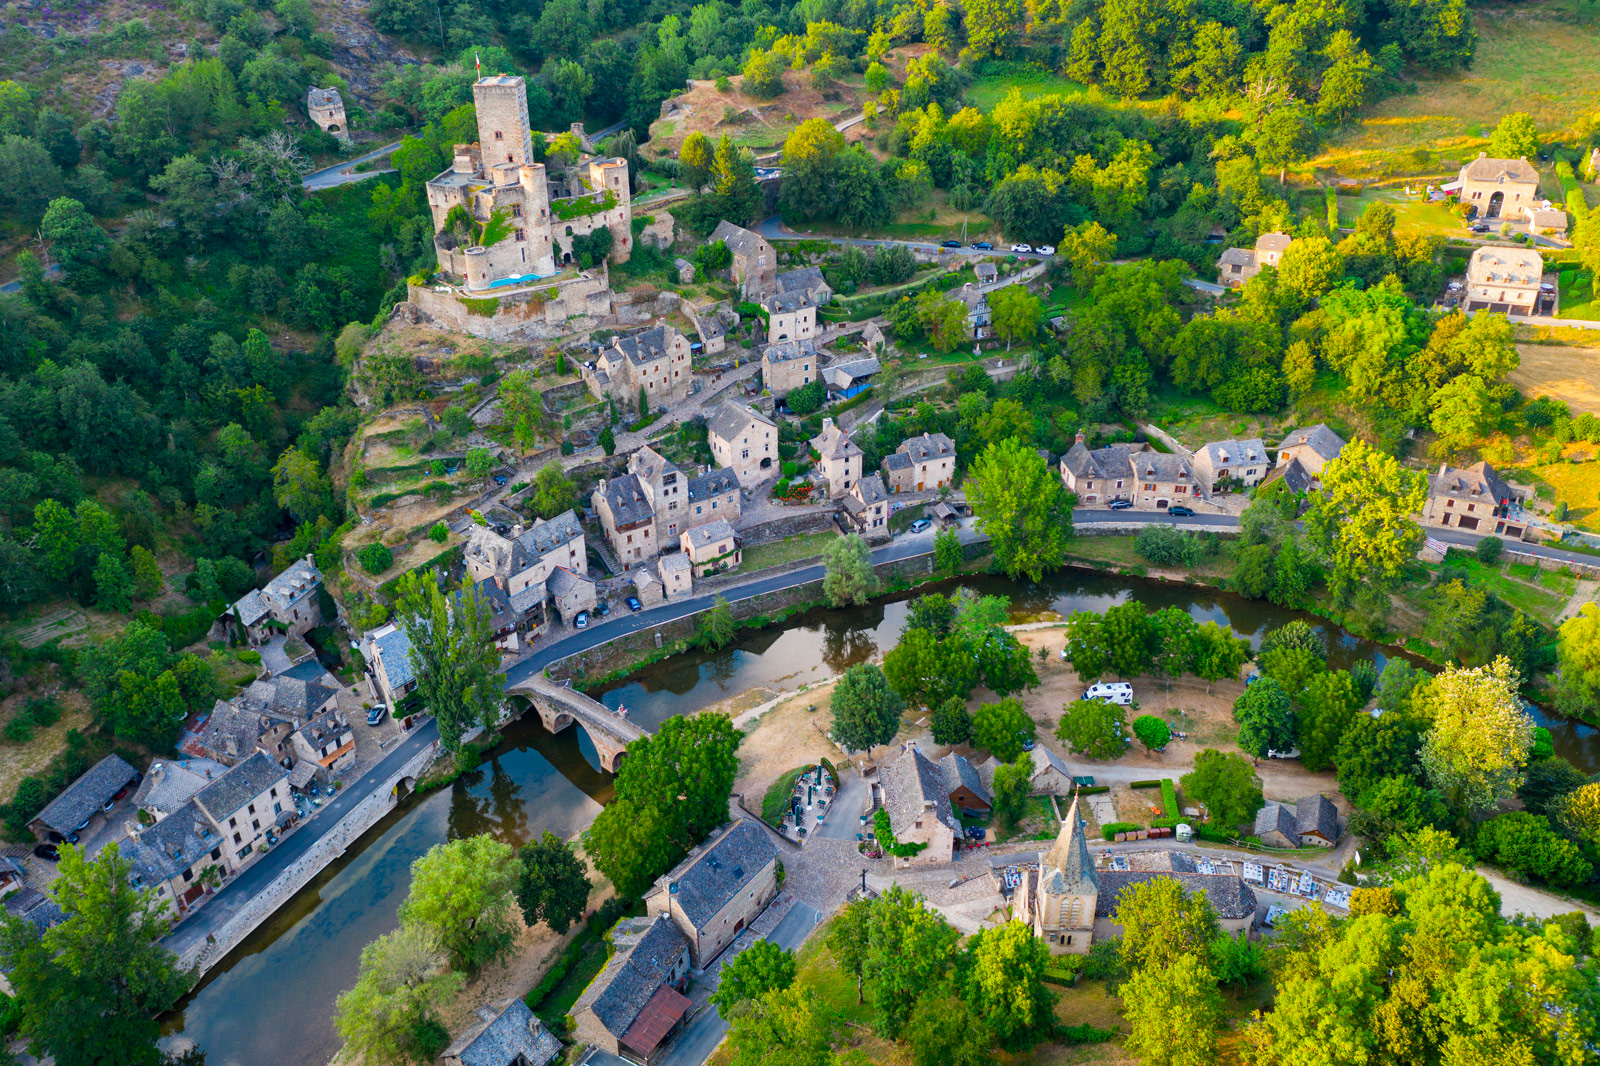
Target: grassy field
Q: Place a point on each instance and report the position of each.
(990, 88)
(1537, 57)
(1578, 484)
(1532, 599)
(1566, 372)
(1410, 215)
(788, 550)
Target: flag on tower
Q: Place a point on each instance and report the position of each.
(477, 61)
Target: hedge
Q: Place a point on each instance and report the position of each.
(1169, 796)
(1166, 823)
(1110, 830)
(1094, 790)
(1144, 784)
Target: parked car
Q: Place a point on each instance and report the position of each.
(1046, 249)
(634, 605)
(1180, 511)
(1119, 692)
(920, 524)
(47, 852)
(602, 609)
(1027, 742)
(375, 714)
(581, 621)
(949, 244)
(1022, 247)
(983, 246)
(110, 805)
(1120, 505)
(1480, 227)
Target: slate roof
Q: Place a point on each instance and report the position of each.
(713, 483)
(673, 562)
(295, 579)
(1114, 460)
(1068, 866)
(500, 1035)
(1229, 896)
(1243, 257)
(169, 784)
(35, 907)
(394, 649)
(807, 279)
(897, 461)
(928, 446)
(1476, 482)
(1548, 218)
(1505, 266)
(316, 97)
(1293, 474)
(1319, 438)
(503, 612)
(311, 670)
(645, 951)
(739, 240)
(708, 534)
(563, 583)
(323, 728)
(288, 697)
(1161, 466)
(789, 301)
(172, 845)
(86, 795)
(1049, 761)
(783, 351)
(1317, 814)
(231, 731)
(1276, 817)
(1516, 171)
(241, 784)
(986, 272)
(705, 882)
(645, 346)
(843, 375)
(868, 491)
(833, 442)
(250, 608)
(958, 772)
(1225, 453)
(1273, 242)
(910, 784)
(628, 503)
(729, 419)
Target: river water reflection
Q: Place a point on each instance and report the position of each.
(271, 1002)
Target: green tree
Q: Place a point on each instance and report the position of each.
(1174, 1013)
(77, 243)
(1523, 842)
(89, 989)
(1361, 520)
(1002, 727)
(113, 585)
(695, 159)
(1546, 782)
(300, 486)
(452, 655)
(950, 722)
(1481, 736)
(1093, 728)
(1310, 268)
(848, 576)
(717, 627)
(927, 668)
(944, 1031)
(909, 950)
(1086, 249)
(1577, 683)
(375, 558)
(1577, 814)
(1152, 732)
(1016, 314)
(608, 441)
(1374, 748)
(148, 580)
(390, 1015)
(1002, 978)
(1225, 784)
(1131, 639)
(672, 790)
(847, 940)
(551, 885)
(866, 709)
(1009, 793)
(760, 968)
(1515, 137)
(479, 462)
(1162, 923)
(763, 74)
(464, 892)
(1022, 508)
(1266, 719)
(1327, 708)
(948, 554)
(552, 493)
(782, 1028)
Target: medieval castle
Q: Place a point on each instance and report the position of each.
(545, 208)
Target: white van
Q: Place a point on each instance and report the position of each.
(1110, 691)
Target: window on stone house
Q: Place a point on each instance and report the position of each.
(237, 838)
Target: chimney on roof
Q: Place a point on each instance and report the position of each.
(1079, 438)
(1442, 468)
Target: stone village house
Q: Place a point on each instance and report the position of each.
(719, 889)
(520, 565)
(636, 1001)
(838, 458)
(1476, 499)
(921, 464)
(287, 604)
(918, 804)
(866, 505)
(755, 264)
(1238, 265)
(1504, 279)
(1150, 480)
(325, 108)
(1313, 446)
(787, 366)
(743, 440)
(1244, 461)
(657, 361)
(1497, 188)
(645, 511)
(1312, 822)
(712, 547)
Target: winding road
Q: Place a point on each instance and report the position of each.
(345, 173)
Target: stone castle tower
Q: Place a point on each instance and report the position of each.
(1058, 902)
(546, 210)
(326, 108)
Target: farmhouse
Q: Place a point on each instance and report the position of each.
(919, 811)
(719, 889)
(506, 1034)
(1498, 188)
(1238, 265)
(1504, 279)
(1476, 499)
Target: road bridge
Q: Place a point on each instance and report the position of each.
(559, 706)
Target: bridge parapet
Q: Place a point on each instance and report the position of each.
(559, 706)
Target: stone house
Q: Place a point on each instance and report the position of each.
(648, 587)
(712, 548)
(504, 1034)
(986, 273)
(1050, 773)
(1314, 446)
(388, 651)
(1244, 461)
(1151, 480)
(963, 784)
(743, 440)
(867, 507)
(245, 802)
(675, 569)
(657, 361)
(1475, 499)
(327, 742)
(80, 802)
(1293, 474)
(571, 592)
(647, 509)
(1547, 220)
(807, 280)
(1312, 822)
(546, 206)
(287, 604)
(846, 379)
(721, 887)
(1498, 188)
(1504, 279)
(980, 316)
(1238, 265)
(636, 1002)
(838, 458)
(170, 783)
(520, 564)
(235, 731)
(791, 316)
(755, 264)
(325, 108)
(787, 366)
(1163, 480)
(930, 464)
(628, 518)
(180, 858)
(919, 808)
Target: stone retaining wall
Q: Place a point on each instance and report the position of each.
(383, 799)
(810, 521)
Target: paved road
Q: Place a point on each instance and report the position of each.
(706, 1030)
(241, 890)
(344, 173)
(844, 813)
(773, 229)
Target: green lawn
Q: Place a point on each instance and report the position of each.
(776, 802)
(990, 88)
(1577, 296)
(1533, 600)
(1411, 215)
(783, 551)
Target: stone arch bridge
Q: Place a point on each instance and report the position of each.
(560, 706)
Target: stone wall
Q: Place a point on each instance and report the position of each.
(808, 521)
(379, 802)
(534, 314)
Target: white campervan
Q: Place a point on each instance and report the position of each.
(1110, 691)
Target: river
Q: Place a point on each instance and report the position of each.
(270, 1002)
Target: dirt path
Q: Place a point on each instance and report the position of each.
(1586, 592)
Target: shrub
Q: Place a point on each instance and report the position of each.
(1144, 784)
(43, 711)
(1167, 546)
(375, 558)
(248, 655)
(1489, 549)
(1152, 732)
(1110, 830)
(439, 533)
(1169, 796)
(19, 730)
